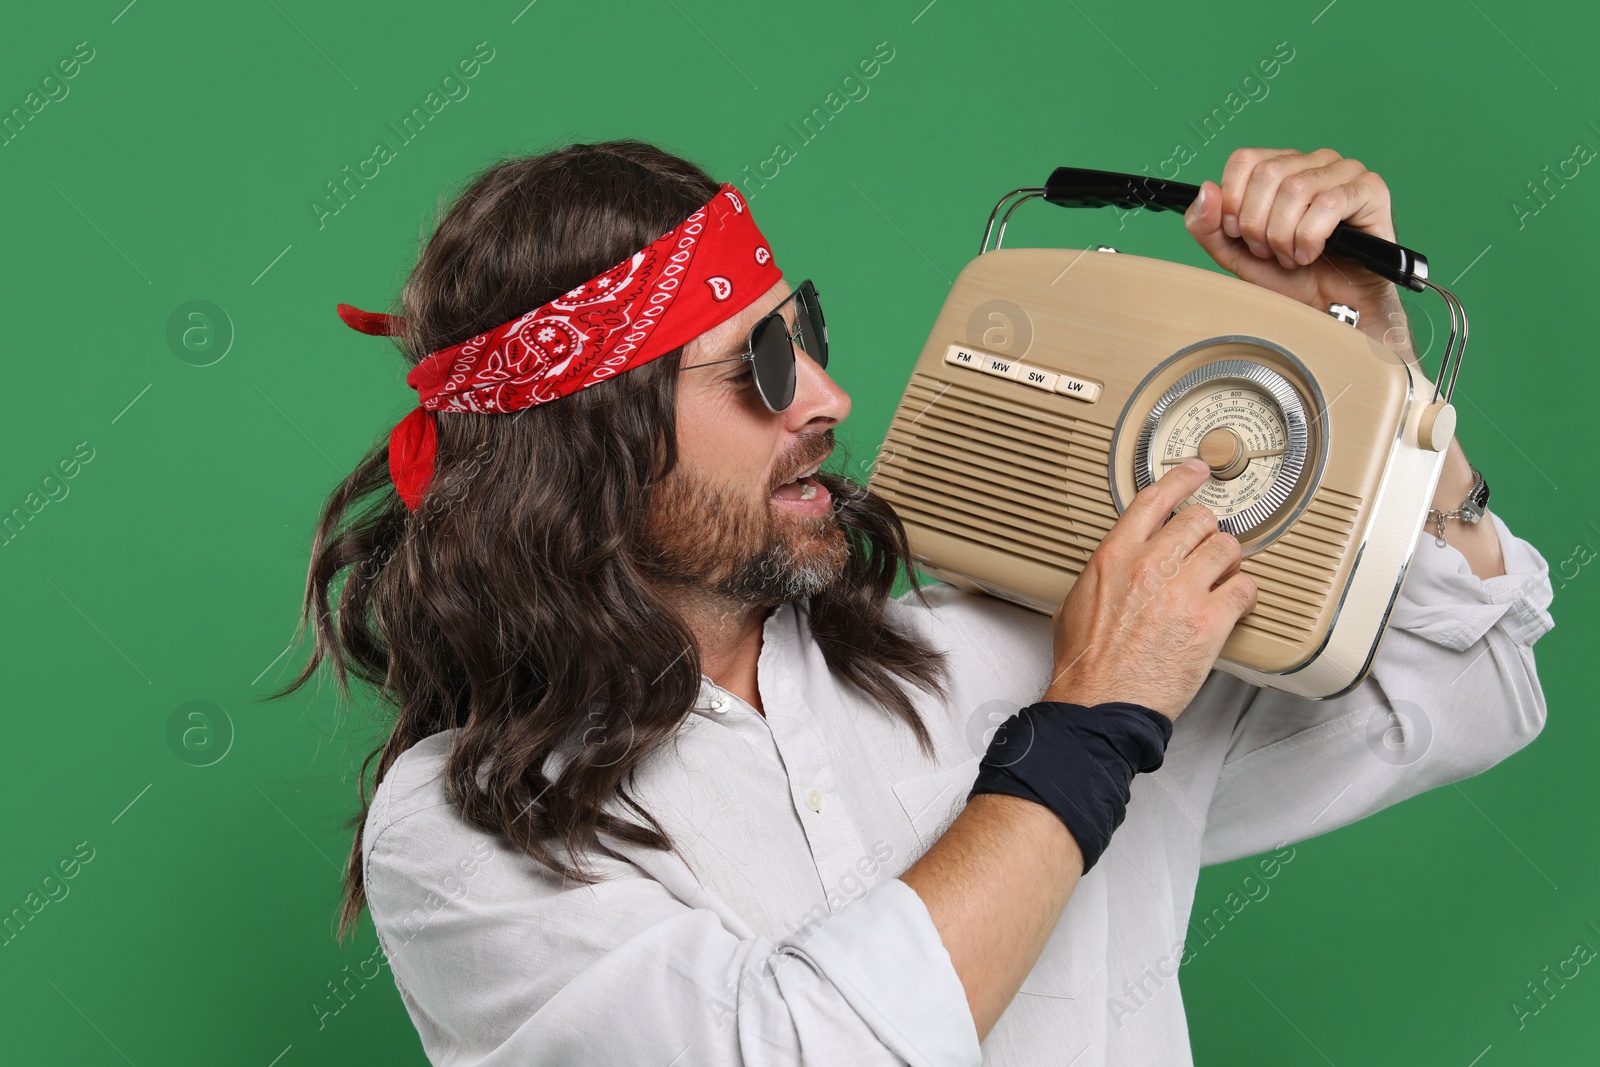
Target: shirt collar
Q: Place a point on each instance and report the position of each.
(778, 638)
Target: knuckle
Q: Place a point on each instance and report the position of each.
(1151, 500)
(1141, 569)
(1216, 545)
(1330, 199)
(1271, 169)
(1298, 184)
(1104, 560)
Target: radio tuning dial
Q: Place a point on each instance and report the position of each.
(1249, 425)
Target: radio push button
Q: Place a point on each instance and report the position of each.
(1039, 379)
(1078, 388)
(1000, 368)
(962, 357)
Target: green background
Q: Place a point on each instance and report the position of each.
(181, 167)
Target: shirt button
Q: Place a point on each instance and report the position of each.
(719, 704)
(814, 800)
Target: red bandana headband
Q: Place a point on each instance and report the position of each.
(701, 273)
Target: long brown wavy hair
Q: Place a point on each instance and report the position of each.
(511, 605)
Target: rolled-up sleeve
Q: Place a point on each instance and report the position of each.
(1452, 691)
(1444, 602)
(511, 965)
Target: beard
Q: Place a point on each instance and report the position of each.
(710, 539)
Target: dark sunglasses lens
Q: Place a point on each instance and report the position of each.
(774, 362)
(813, 331)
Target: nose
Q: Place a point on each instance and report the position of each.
(817, 397)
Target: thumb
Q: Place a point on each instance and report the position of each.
(1204, 222)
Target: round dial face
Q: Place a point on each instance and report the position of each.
(1234, 425)
(1247, 422)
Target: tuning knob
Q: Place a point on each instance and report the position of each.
(1436, 425)
(1344, 313)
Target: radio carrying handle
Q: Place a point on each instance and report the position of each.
(1080, 187)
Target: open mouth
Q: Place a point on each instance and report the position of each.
(803, 487)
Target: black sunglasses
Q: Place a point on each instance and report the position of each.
(771, 347)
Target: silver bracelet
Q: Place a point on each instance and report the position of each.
(1471, 510)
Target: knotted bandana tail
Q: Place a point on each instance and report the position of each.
(695, 276)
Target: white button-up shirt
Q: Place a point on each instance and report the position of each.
(778, 933)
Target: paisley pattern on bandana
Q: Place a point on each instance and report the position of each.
(702, 272)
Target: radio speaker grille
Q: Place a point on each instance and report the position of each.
(1031, 483)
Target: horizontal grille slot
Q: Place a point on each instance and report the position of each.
(1075, 469)
(1074, 500)
(1032, 485)
(1025, 530)
(944, 523)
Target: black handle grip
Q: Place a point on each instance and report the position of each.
(1077, 187)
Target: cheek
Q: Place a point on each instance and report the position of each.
(724, 437)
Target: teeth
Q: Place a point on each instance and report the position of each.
(808, 491)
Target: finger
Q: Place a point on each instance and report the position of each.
(1212, 559)
(1239, 593)
(1260, 194)
(1182, 534)
(1296, 193)
(1152, 505)
(1204, 222)
(1229, 573)
(1234, 174)
(1362, 201)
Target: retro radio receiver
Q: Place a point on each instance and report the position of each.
(1057, 383)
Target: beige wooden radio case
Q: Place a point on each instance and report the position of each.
(1057, 382)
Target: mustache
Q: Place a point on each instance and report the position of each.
(818, 454)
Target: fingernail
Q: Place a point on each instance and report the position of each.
(1230, 225)
(1301, 256)
(1196, 464)
(1257, 250)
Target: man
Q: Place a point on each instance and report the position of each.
(620, 618)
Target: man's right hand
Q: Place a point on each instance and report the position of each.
(1149, 614)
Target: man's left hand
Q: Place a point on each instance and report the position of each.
(1274, 213)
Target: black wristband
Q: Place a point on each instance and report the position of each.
(1077, 761)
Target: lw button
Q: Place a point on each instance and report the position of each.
(814, 800)
(1078, 388)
